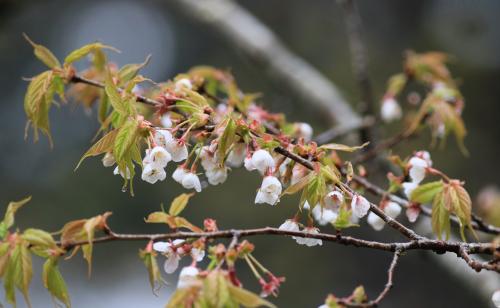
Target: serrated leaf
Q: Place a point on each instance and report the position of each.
(114, 96)
(215, 290)
(303, 182)
(440, 217)
(4, 257)
(179, 204)
(81, 52)
(226, 139)
(129, 71)
(43, 54)
(344, 219)
(104, 145)
(54, 282)
(342, 147)
(425, 193)
(181, 222)
(157, 217)
(19, 273)
(37, 102)
(247, 298)
(41, 242)
(151, 264)
(124, 139)
(179, 298)
(8, 220)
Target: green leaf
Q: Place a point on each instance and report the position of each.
(8, 220)
(440, 217)
(303, 182)
(54, 282)
(425, 193)
(19, 273)
(129, 71)
(81, 52)
(344, 219)
(125, 138)
(43, 54)
(247, 298)
(37, 102)
(342, 147)
(180, 298)
(151, 264)
(41, 242)
(114, 96)
(179, 204)
(158, 217)
(104, 145)
(215, 290)
(226, 139)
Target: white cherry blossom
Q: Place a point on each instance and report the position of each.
(236, 155)
(269, 191)
(262, 161)
(162, 137)
(324, 215)
(418, 168)
(166, 120)
(217, 175)
(334, 199)
(159, 157)
(177, 149)
(289, 225)
(307, 240)
(390, 110)
(304, 130)
(392, 209)
(495, 298)
(152, 174)
(179, 174)
(248, 163)
(360, 206)
(183, 83)
(191, 181)
(125, 175)
(408, 188)
(376, 222)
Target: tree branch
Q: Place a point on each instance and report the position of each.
(360, 67)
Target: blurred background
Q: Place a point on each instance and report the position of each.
(314, 30)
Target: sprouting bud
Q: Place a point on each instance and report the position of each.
(390, 110)
(108, 160)
(269, 191)
(360, 206)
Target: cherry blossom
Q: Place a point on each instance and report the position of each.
(359, 206)
(152, 174)
(307, 240)
(108, 160)
(191, 181)
(390, 110)
(262, 161)
(188, 277)
(269, 191)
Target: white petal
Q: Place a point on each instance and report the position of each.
(217, 175)
(191, 181)
(162, 137)
(262, 161)
(187, 277)
(495, 298)
(197, 254)
(323, 215)
(152, 174)
(392, 209)
(162, 247)
(304, 130)
(289, 225)
(390, 110)
(334, 199)
(408, 188)
(360, 206)
(179, 174)
(183, 83)
(248, 164)
(376, 222)
(177, 149)
(166, 120)
(171, 264)
(417, 169)
(237, 155)
(160, 157)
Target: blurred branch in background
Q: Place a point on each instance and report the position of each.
(359, 64)
(257, 42)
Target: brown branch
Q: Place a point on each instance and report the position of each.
(423, 244)
(359, 63)
(385, 291)
(477, 222)
(477, 265)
